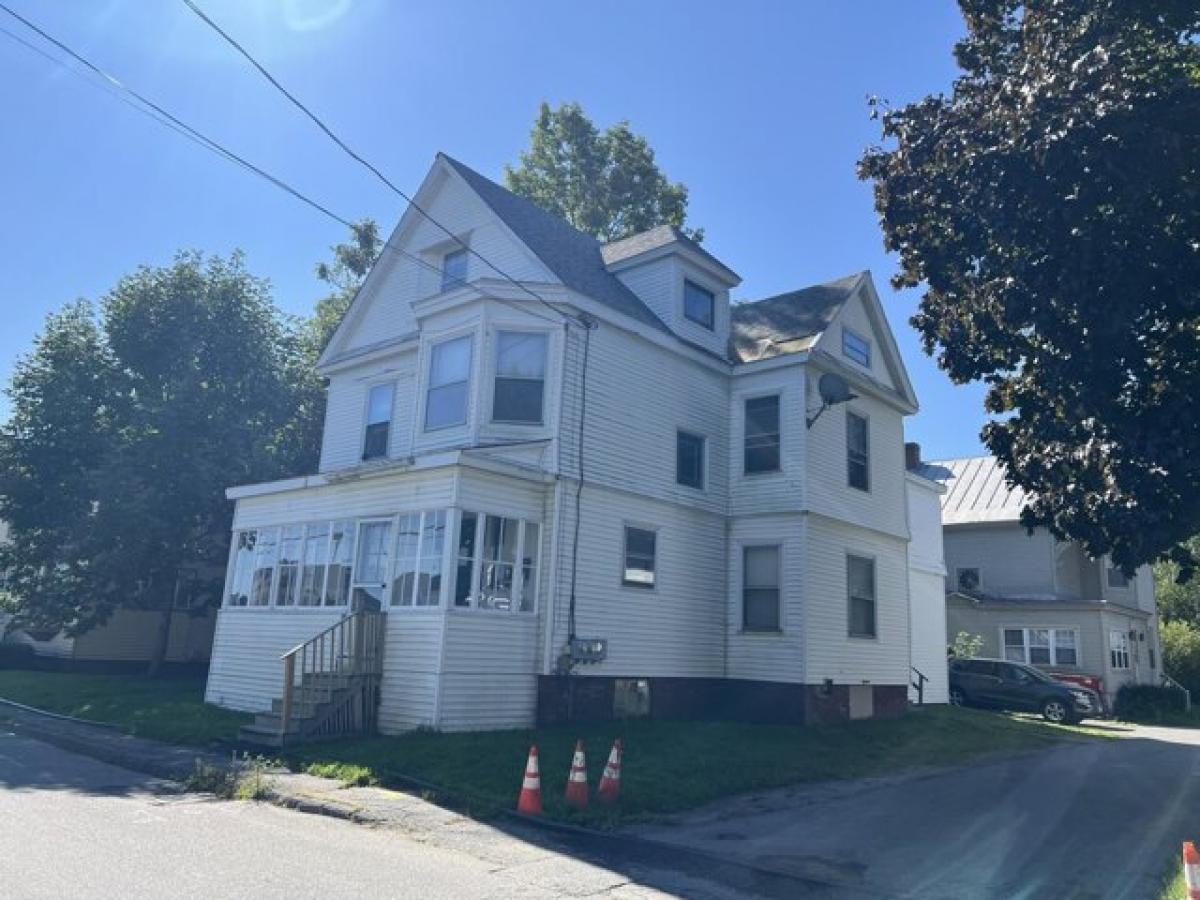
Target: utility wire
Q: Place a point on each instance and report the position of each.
(316, 120)
(165, 118)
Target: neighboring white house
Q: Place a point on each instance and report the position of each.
(1034, 599)
(926, 581)
(499, 478)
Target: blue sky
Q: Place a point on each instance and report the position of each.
(760, 108)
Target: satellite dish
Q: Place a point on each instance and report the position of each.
(833, 389)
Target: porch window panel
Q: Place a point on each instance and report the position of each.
(529, 567)
(291, 549)
(242, 575)
(449, 378)
(465, 560)
(498, 565)
(265, 554)
(429, 561)
(408, 539)
(1014, 644)
(316, 561)
(341, 562)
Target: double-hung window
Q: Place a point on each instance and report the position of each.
(689, 459)
(520, 377)
(699, 304)
(454, 269)
(856, 347)
(760, 588)
(860, 587)
(449, 379)
(638, 569)
(1042, 646)
(761, 438)
(379, 420)
(858, 452)
(1118, 649)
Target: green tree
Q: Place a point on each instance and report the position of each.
(127, 427)
(1181, 654)
(1049, 206)
(1178, 601)
(604, 183)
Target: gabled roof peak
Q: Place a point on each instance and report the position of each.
(790, 322)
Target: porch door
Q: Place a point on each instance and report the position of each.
(369, 588)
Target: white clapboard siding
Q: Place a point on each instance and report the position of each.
(768, 492)
(380, 495)
(675, 629)
(246, 672)
(831, 652)
(654, 283)
(883, 506)
(638, 396)
(765, 656)
(927, 588)
(346, 410)
(854, 316)
(489, 671)
(1011, 562)
(500, 495)
(411, 667)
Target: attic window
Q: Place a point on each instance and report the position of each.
(699, 304)
(454, 269)
(856, 347)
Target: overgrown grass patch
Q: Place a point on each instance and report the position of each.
(166, 709)
(670, 767)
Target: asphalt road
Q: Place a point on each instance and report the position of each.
(1083, 821)
(74, 827)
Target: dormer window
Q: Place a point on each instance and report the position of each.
(379, 421)
(856, 347)
(454, 269)
(699, 305)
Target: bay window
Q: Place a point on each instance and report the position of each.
(520, 380)
(449, 381)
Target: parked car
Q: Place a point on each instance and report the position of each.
(1015, 686)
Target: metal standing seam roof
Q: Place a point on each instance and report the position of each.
(787, 323)
(975, 491)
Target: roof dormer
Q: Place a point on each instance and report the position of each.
(681, 282)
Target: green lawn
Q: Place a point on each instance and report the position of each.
(165, 709)
(673, 766)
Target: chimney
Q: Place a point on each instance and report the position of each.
(912, 455)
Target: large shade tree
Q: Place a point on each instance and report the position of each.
(605, 183)
(127, 425)
(1049, 208)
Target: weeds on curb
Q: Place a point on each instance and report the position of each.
(241, 780)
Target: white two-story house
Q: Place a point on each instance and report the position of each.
(577, 482)
(1034, 599)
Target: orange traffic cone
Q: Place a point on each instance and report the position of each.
(530, 800)
(1191, 870)
(610, 782)
(577, 789)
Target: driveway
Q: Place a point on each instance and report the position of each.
(1081, 820)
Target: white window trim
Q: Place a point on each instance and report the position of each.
(427, 370)
(742, 548)
(874, 594)
(366, 415)
(634, 585)
(296, 606)
(858, 413)
(515, 328)
(703, 486)
(867, 341)
(473, 607)
(683, 303)
(1026, 645)
(1113, 650)
(450, 530)
(742, 401)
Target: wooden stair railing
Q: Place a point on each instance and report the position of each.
(339, 669)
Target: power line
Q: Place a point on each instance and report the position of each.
(316, 120)
(167, 119)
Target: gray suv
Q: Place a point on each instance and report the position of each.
(1016, 686)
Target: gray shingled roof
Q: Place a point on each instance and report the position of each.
(575, 258)
(976, 491)
(787, 323)
(645, 241)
